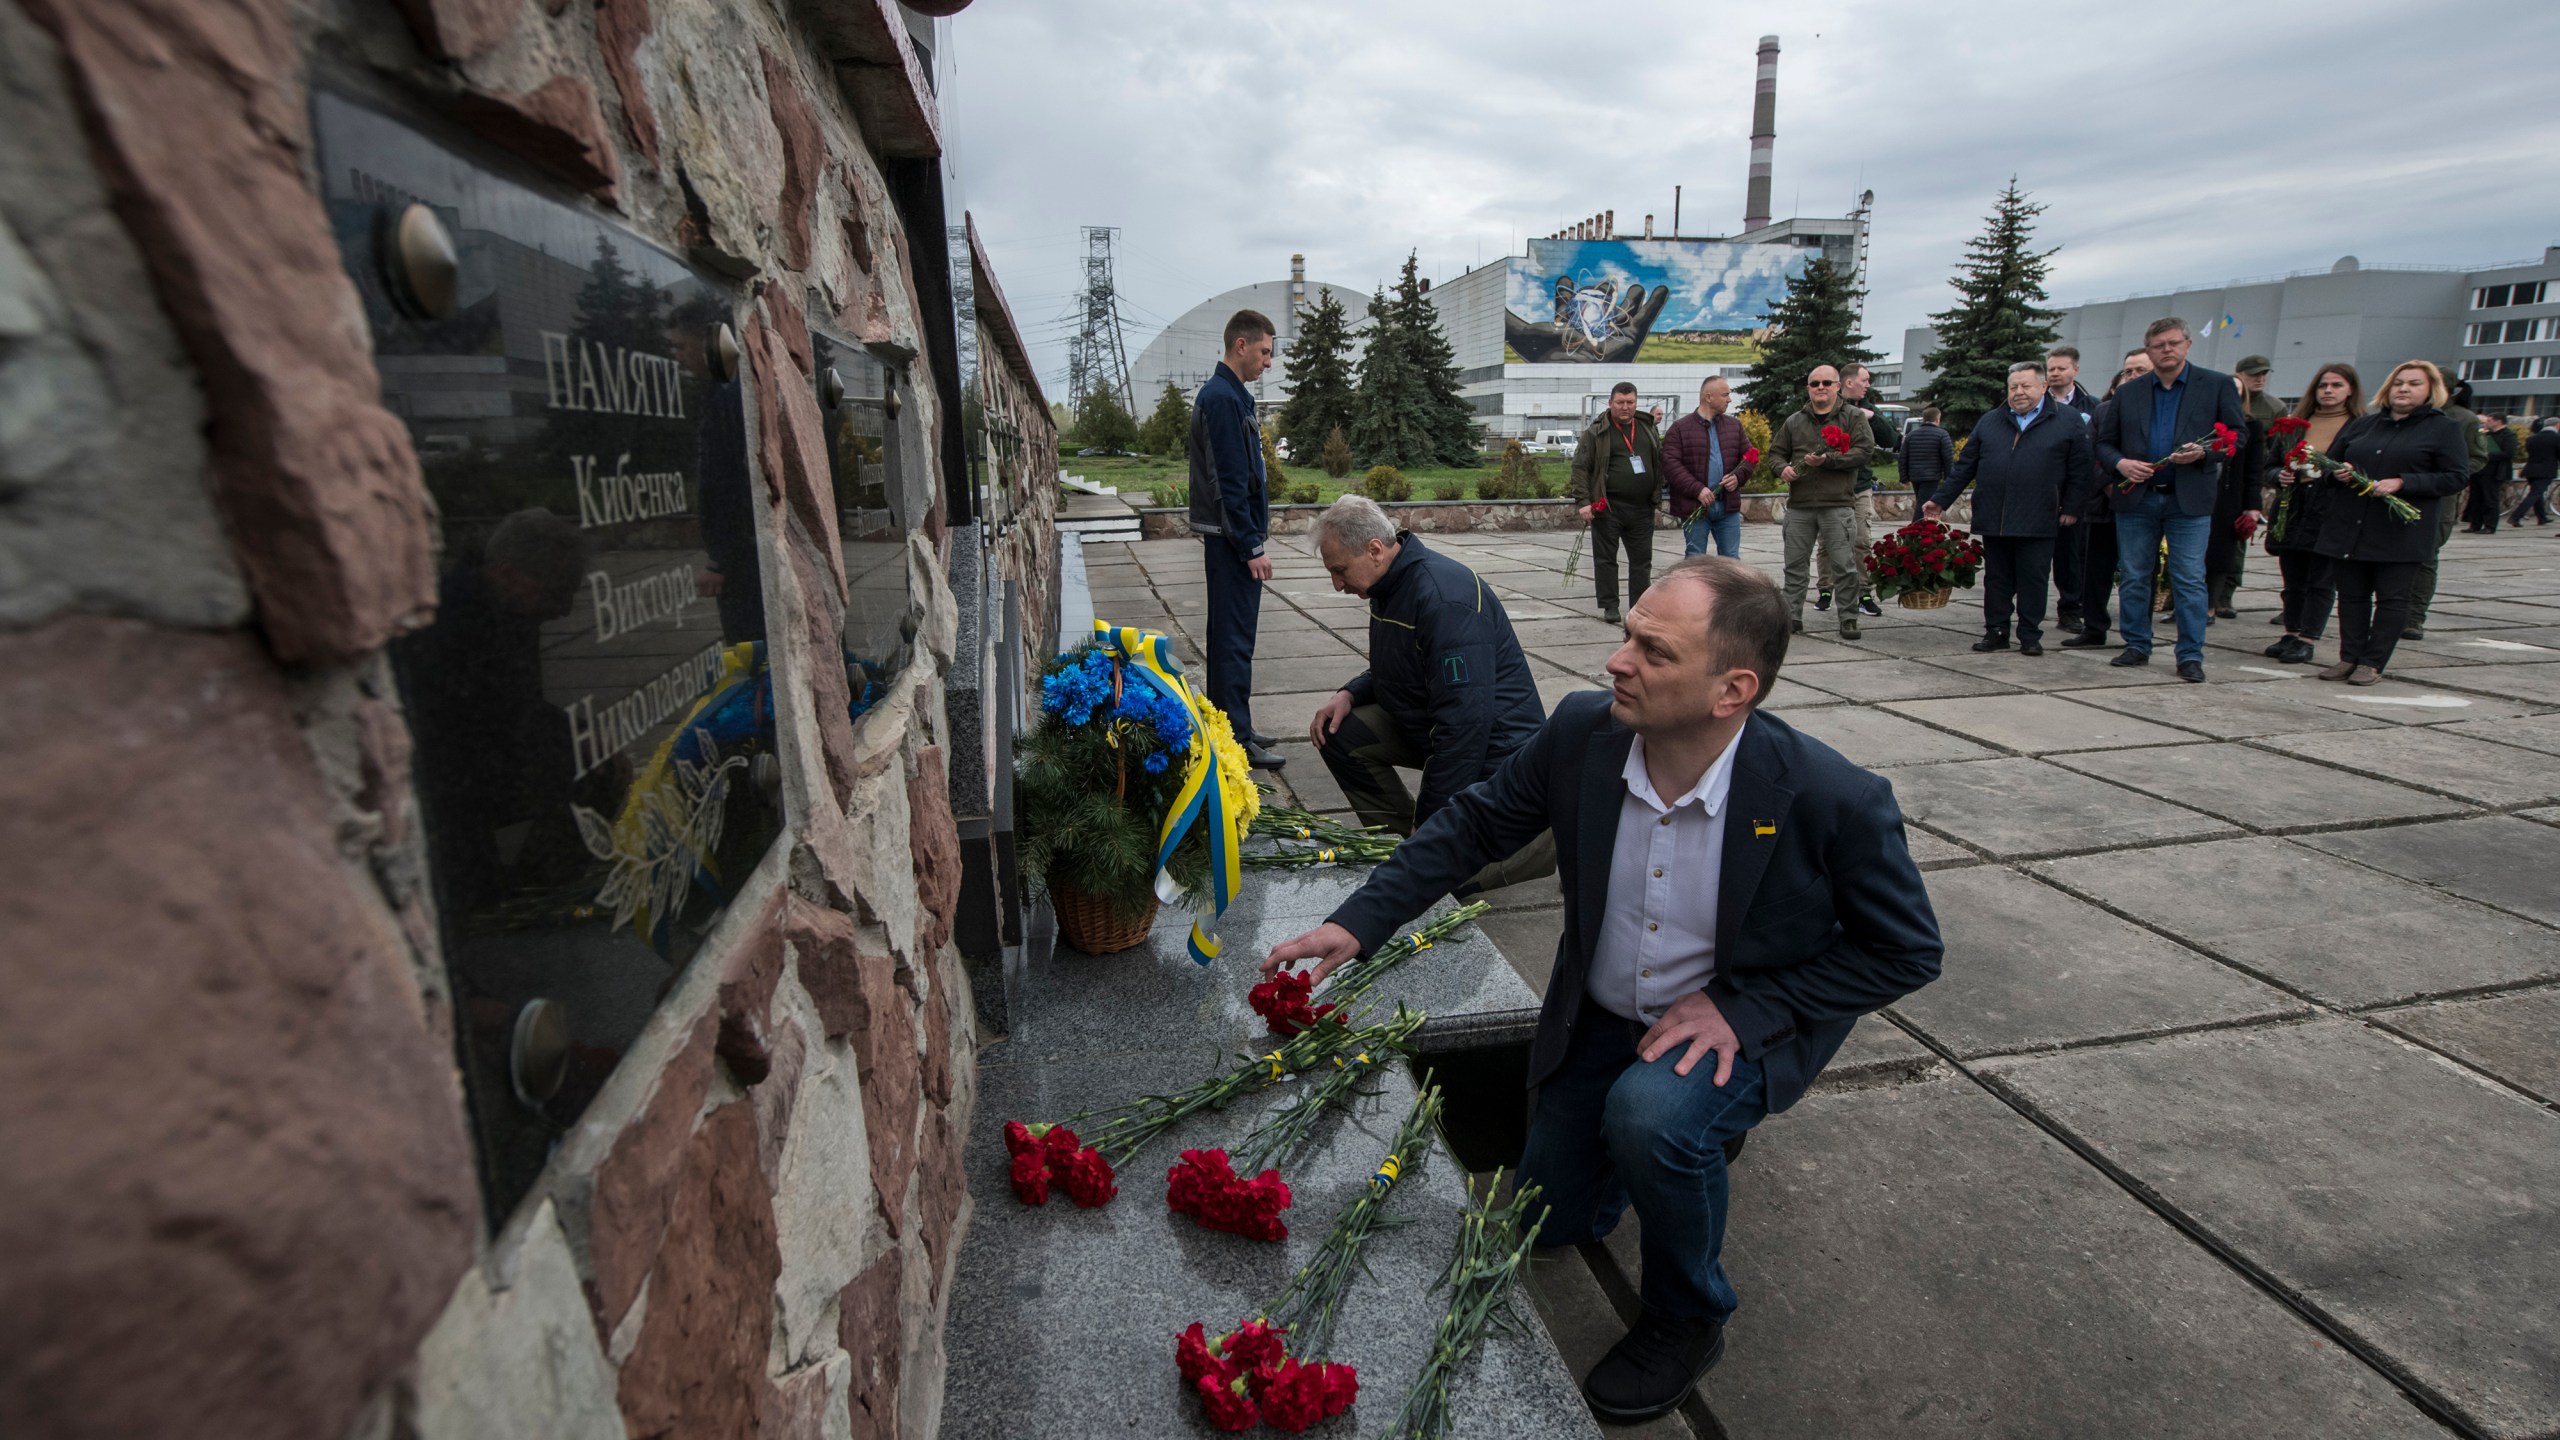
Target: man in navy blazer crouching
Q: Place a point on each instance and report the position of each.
(1732, 889)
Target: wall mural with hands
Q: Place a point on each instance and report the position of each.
(1647, 301)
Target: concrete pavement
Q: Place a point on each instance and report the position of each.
(2236, 1111)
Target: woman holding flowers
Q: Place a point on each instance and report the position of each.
(2333, 398)
(2407, 450)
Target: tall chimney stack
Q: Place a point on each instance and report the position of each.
(1764, 135)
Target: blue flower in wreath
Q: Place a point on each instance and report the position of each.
(1155, 763)
(1075, 692)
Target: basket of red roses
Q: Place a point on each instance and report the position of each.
(1923, 563)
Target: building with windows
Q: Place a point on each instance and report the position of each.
(2497, 326)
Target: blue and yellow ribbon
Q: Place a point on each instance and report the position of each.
(1147, 658)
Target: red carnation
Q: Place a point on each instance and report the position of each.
(2289, 425)
(1750, 456)
(1018, 1137)
(1229, 1407)
(1191, 1355)
(1031, 1177)
(1836, 438)
(1087, 1176)
(1282, 1002)
(1296, 1395)
(2224, 440)
(1060, 1142)
(1599, 503)
(1254, 1346)
(2300, 449)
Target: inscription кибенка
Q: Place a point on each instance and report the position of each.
(623, 496)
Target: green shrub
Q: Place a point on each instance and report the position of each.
(1305, 492)
(1172, 494)
(1336, 458)
(1449, 490)
(1384, 483)
(1540, 487)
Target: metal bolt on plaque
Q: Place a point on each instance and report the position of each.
(420, 262)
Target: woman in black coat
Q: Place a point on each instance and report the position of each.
(2332, 401)
(2407, 447)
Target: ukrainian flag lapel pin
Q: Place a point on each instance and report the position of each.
(1760, 828)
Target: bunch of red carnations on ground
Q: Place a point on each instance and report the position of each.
(1247, 1375)
(1206, 1187)
(1924, 555)
(1043, 1153)
(1282, 1002)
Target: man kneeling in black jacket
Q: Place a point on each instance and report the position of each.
(1447, 690)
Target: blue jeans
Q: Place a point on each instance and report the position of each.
(2142, 521)
(1611, 1128)
(1725, 530)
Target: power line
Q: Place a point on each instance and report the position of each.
(1097, 356)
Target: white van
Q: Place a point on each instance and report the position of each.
(1553, 442)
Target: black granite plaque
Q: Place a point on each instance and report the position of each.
(592, 706)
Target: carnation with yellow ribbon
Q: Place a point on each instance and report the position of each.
(1217, 788)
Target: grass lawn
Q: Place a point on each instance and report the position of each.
(1138, 476)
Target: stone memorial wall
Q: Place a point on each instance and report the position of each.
(476, 498)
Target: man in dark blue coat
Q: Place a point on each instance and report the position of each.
(2033, 465)
(1732, 889)
(1447, 690)
(1231, 513)
(2154, 445)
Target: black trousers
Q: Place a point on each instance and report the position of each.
(2373, 607)
(2070, 556)
(1627, 522)
(1235, 612)
(2487, 487)
(2016, 571)
(2537, 498)
(2097, 539)
(1363, 754)
(2308, 595)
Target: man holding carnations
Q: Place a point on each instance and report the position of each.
(1818, 452)
(2156, 442)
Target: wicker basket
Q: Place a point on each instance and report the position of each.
(1089, 924)
(1925, 599)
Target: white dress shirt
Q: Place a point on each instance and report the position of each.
(1658, 935)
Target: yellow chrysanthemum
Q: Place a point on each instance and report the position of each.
(1235, 772)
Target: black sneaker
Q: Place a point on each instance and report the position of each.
(1651, 1371)
(2085, 640)
(1262, 757)
(1822, 601)
(1990, 642)
(2191, 671)
(2132, 657)
(1610, 617)
(1867, 606)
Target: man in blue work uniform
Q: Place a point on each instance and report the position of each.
(1447, 690)
(1231, 513)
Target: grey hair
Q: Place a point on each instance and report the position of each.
(1353, 521)
(2035, 365)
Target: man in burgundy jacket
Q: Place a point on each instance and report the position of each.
(1702, 465)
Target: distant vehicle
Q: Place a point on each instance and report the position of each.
(1551, 442)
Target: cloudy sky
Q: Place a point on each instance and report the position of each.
(2176, 142)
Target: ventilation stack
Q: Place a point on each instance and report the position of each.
(1764, 135)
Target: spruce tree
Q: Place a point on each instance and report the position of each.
(1448, 417)
(1319, 376)
(1389, 420)
(1999, 318)
(1168, 430)
(1104, 423)
(1817, 324)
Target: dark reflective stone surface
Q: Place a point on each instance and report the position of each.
(880, 489)
(592, 706)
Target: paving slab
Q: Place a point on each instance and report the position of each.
(2055, 669)
(2538, 733)
(1306, 642)
(2015, 808)
(2434, 758)
(2031, 968)
(2495, 859)
(2229, 712)
(1904, 641)
(1878, 1052)
(2337, 932)
(2503, 647)
(1876, 738)
(1285, 715)
(1815, 650)
(1904, 680)
(2507, 1035)
(1931, 853)
(2401, 701)
(2410, 1204)
(2037, 724)
(1920, 1261)
(2273, 794)
(2538, 682)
